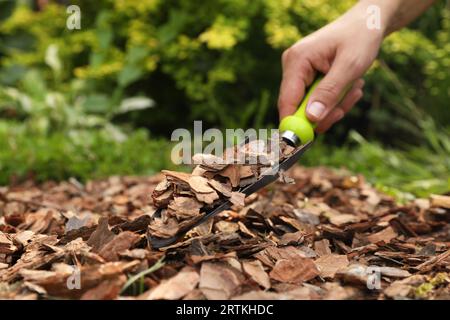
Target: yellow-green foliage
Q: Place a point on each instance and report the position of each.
(221, 54)
(426, 288)
(63, 94)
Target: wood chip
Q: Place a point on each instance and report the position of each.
(221, 188)
(322, 247)
(185, 207)
(296, 270)
(385, 236)
(120, 243)
(440, 201)
(233, 174)
(238, 199)
(329, 264)
(256, 271)
(218, 281)
(176, 287)
(101, 236)
(318, 239)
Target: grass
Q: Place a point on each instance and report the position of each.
(84, 154)
(140, 277)
(90, 154)
(416, 171)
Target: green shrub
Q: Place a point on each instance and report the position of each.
(84, 154)
(213, 60)
(50, 134)
(70, 100)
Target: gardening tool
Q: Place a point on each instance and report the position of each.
(296, 130)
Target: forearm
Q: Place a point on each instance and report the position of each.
(406, 12)
(394, 14)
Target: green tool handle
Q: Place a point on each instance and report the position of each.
(299, 123)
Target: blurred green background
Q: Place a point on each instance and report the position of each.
(104, 99)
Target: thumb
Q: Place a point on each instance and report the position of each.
(330, 90)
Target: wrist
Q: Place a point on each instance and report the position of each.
(379, 15)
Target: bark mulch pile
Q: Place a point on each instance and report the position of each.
(329, 235)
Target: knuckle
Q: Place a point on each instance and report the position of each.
(329, 89)
(356, 63)
(298, 51)
(285, 55)
(293, 53)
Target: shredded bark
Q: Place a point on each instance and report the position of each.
(184, 198)
(330, 235)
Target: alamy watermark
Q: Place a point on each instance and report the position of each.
(74, 280)
(371, 274)
(373, 21)
(373, 278)
(73, 22)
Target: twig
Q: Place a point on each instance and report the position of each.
(427, 265)
(38, 204)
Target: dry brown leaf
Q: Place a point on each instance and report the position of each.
(295, 238)
(163, 199)
(342, 219)
(209, 161)
(226, 227)
(246, 172)
(199, 184)
(271, 255)
(322, 247)
(385, 235)
(403, 288)
(440, 201)
(296, 270)
(7, 246)
(35, 265)
(177, 176)
(176, 287)
(164, 229)
(185, 207)
(256, 271)
(55, 283)
(392, 272)
(329, 264)
(220, 187)
(162, 187)
(398, 290)
(106, 290)
(238, 199)
(245, 230)
(337, 292)
(218, 281)
(120, 243)
(232, 173)
(101, 236)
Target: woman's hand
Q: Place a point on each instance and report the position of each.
(343, 51)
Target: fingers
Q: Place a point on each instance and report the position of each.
(291, 92)
(328, 93)
(353, 96)
(350, 99)
(297, 75)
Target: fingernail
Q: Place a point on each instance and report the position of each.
(315, 110)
